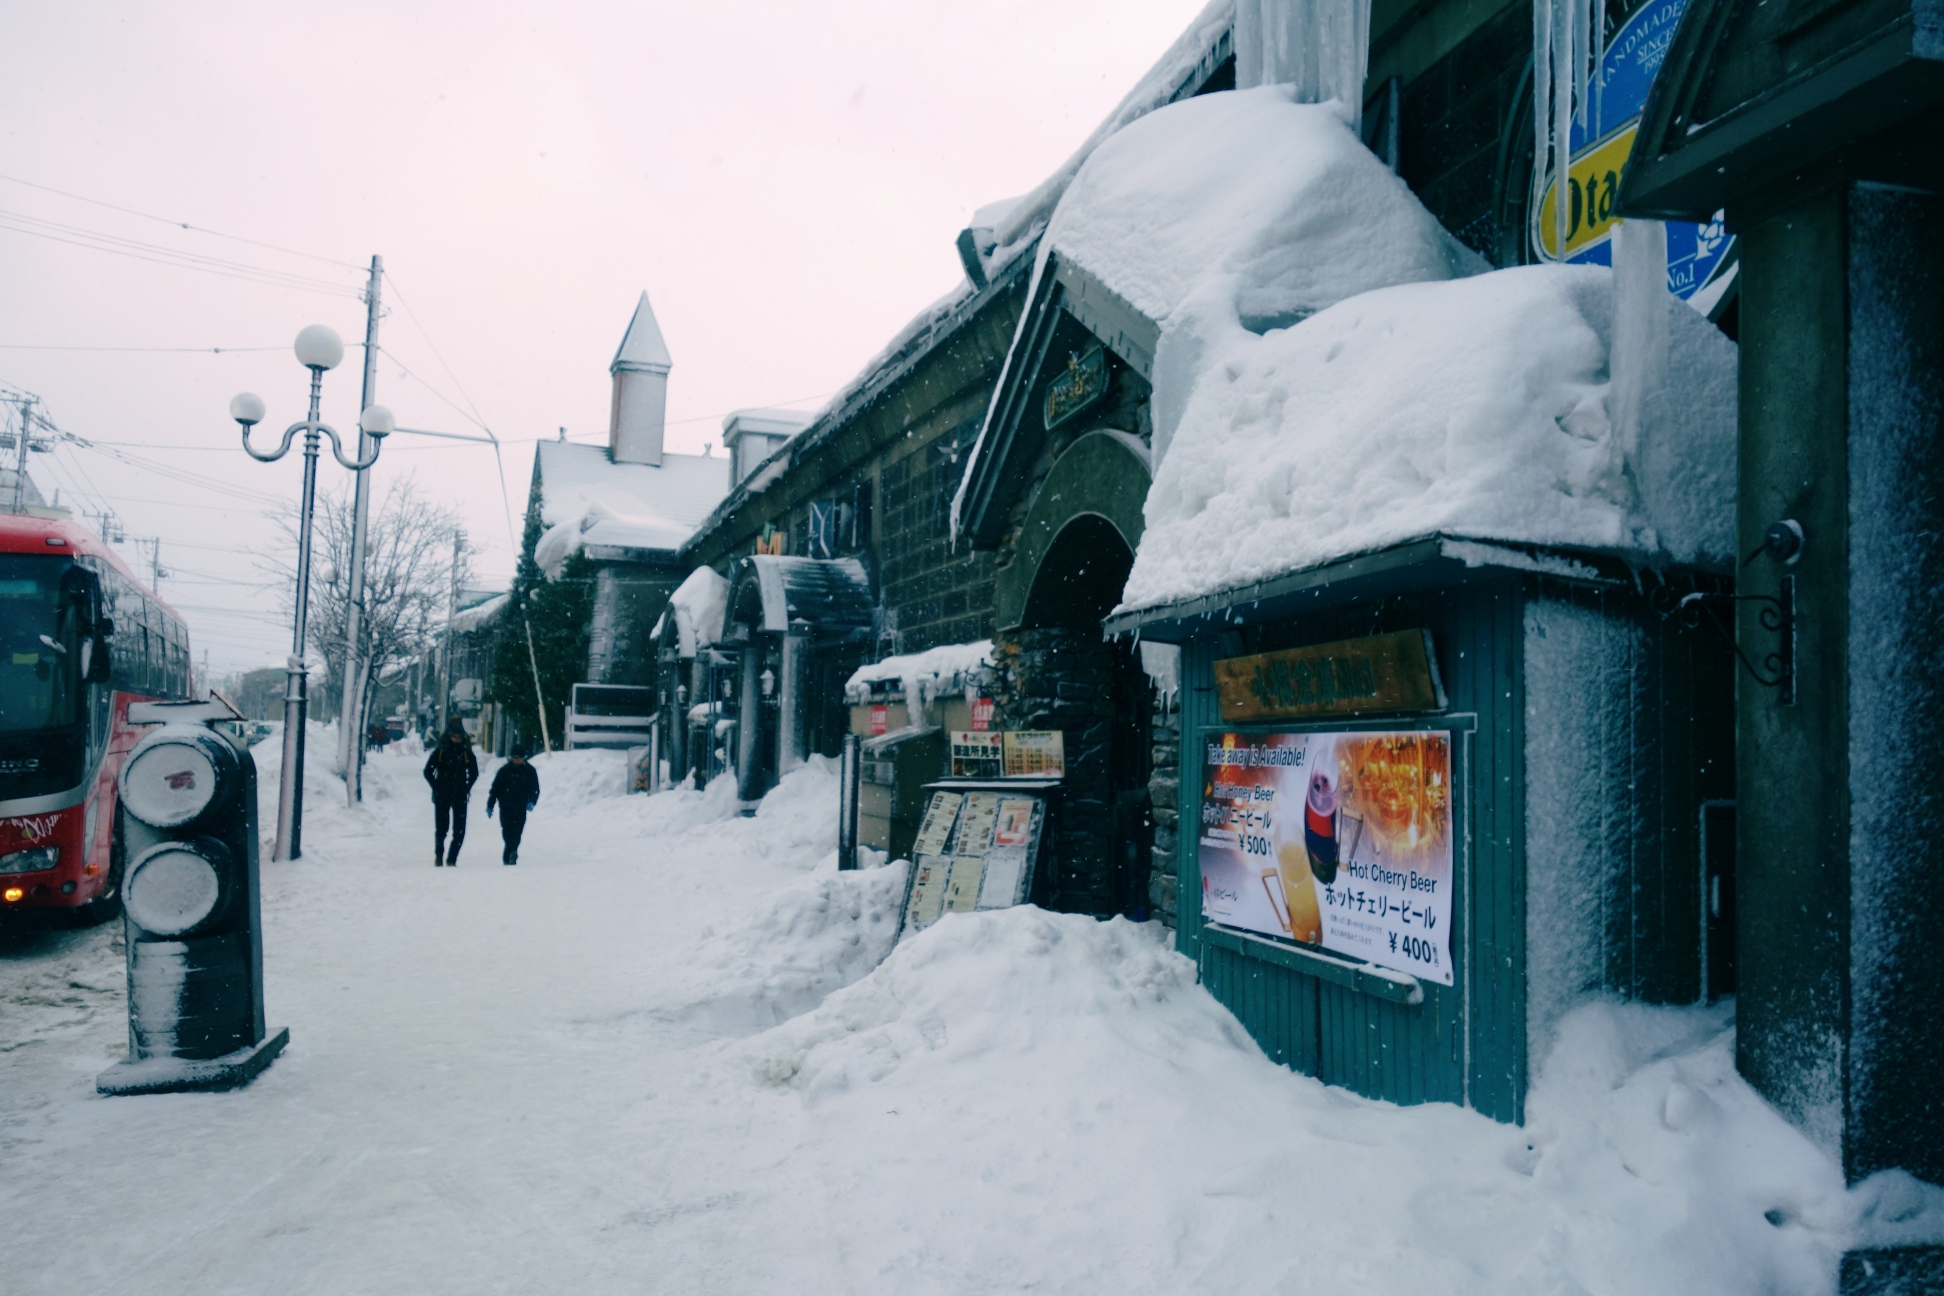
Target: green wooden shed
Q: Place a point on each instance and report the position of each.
(1587, 720)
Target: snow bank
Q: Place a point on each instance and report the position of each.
(699, 603)
(807, 940)
(1476, 407)
(925, 676)
(1066, 1085)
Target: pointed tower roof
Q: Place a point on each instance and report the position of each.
(642, 347)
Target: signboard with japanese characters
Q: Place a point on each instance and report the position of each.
(977, 754)
(1340, 840)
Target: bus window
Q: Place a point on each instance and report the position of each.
(39, 645)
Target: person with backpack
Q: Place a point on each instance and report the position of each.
(516, 789)
(451, 770)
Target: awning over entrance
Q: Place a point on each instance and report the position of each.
(768, 592)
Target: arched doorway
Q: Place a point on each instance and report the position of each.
(1074, 550)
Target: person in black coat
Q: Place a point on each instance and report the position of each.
(516, 788)
(452, 770)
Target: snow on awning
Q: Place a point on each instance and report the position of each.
(698, 604)
(771, 592)
(1475, 408)
(479, 616)
(948, 668)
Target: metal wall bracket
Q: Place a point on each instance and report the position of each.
(1777, 615)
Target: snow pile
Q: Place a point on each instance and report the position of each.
(1477, 408)
(1065, 1084)
(603, 524)
(1249, 203)
(805, 941)
(699, 604)
(926, 676)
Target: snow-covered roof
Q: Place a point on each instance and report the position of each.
(1241, 209)
(765, 422)
(587, 499)
(1477, 408)
(479, 616)
(1164, 81)
(642, 347)
(1273, 203)
(948, 668)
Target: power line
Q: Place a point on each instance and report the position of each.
(28, 346)
(198, 229)
(157, 254)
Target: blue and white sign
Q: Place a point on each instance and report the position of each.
(1698, 256)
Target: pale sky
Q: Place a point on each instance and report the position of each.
(785, 180)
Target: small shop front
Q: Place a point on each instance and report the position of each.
(1434, 795)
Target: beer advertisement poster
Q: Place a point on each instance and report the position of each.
(1340, 840)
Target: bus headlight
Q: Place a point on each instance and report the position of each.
(175, 774)
(38, 860)
(173, 888)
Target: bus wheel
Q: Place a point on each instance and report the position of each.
(108, 904)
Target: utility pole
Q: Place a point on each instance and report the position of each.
(351, 717)
(21, 444)
(445, 658)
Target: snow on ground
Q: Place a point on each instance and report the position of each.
(662, 1055)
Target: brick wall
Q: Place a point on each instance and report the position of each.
(938, 595)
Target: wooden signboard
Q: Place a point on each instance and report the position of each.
(1382, 674)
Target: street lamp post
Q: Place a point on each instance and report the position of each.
(318, 349)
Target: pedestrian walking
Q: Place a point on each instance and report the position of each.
(452, 770)
(516, 789)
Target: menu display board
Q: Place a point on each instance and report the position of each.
(1034, 753)
(935, 833)
(994, 839)
(1342, 840)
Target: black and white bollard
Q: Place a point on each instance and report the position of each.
(191, 913)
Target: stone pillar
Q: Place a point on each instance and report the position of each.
(1164, 791)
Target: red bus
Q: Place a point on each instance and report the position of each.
(80, 638)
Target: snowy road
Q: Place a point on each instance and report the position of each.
(631, 1065)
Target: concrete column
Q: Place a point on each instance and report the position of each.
(1842, 430)
(749, 726)
(793, 713)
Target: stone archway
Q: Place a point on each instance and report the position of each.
(1103, 475)
(1070, 563)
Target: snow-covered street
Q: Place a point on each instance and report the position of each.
(656, 1057)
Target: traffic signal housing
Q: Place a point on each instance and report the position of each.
(191, 911)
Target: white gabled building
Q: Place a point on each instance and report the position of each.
(628, 506)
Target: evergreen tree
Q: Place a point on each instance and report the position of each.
(559, 614)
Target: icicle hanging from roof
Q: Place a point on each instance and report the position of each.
(1568, 45)
(1322, 47)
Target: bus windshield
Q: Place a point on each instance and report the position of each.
(40, 645)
